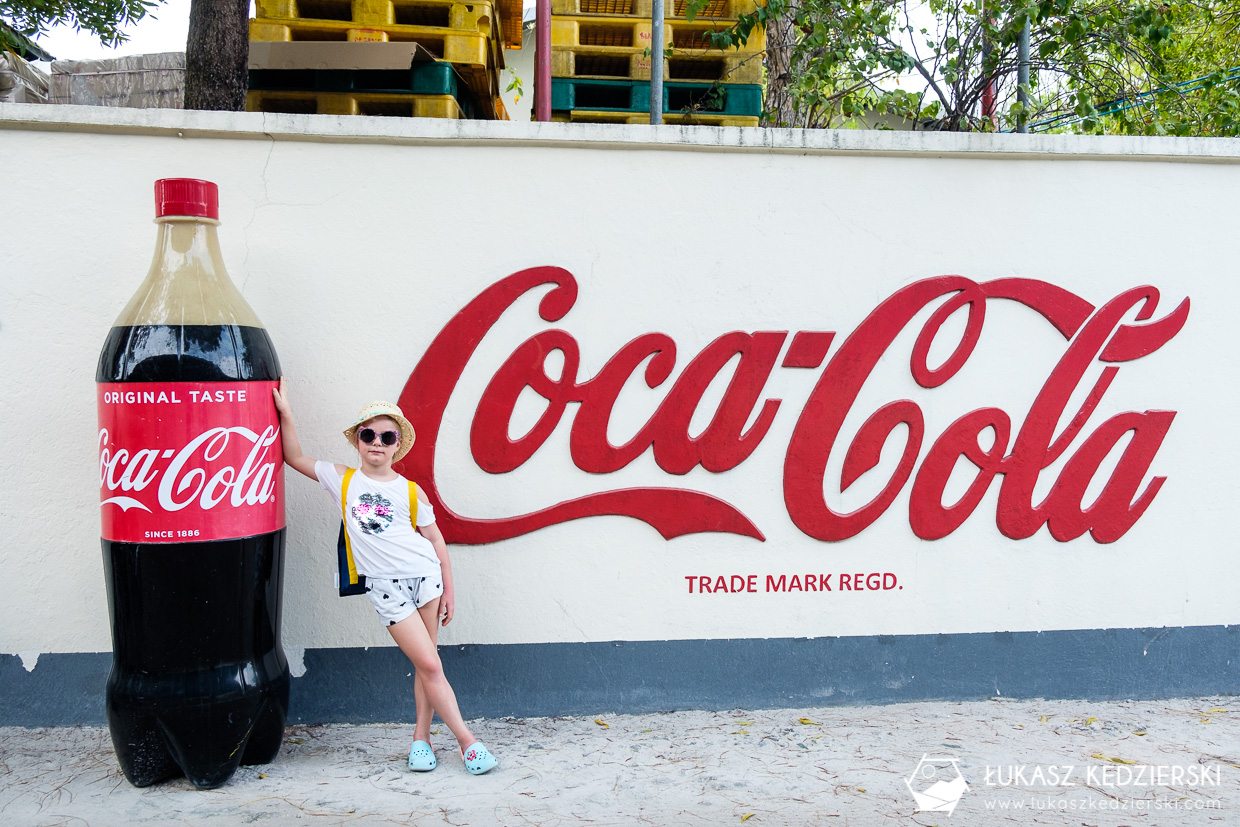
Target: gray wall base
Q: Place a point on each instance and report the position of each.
(372, 685)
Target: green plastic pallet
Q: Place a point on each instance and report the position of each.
(740, 99)
(429, 78)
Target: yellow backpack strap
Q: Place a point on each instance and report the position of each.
(413, 504)
(344, 516)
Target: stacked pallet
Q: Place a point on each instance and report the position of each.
(601, 64)
(153, 81)
(408, 58)
(20, 82)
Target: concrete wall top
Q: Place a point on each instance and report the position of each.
(259, 126)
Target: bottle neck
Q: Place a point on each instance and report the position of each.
(187, 282)
(188, 246)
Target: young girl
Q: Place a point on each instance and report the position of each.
(408, 574)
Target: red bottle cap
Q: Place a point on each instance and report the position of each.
(187, 196)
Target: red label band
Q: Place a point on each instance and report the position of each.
(189, 461)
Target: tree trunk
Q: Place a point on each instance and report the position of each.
(217, 55)
(780, 35)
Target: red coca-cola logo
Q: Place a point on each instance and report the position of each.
(189, 461)
(1093, 334)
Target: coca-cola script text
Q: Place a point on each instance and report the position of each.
(1120, 331)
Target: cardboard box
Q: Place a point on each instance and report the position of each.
(335, 55)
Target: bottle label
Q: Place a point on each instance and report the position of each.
(189, 461)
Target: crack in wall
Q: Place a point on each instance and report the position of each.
(266, 201)
(572, 620)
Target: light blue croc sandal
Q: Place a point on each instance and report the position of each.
(421, 757)
(477, 759)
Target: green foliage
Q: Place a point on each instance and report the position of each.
(1114, 66)
(1195, 86)
(710, 101)
(102, 18)
(516, 85)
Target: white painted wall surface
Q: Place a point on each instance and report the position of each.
(357, 240)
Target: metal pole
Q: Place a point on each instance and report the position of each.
(988, 91)
(542, 59)
(1022, 79)
(656, 62)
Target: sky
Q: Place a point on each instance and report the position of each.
(164, 30)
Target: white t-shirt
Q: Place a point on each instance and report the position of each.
(383, 540)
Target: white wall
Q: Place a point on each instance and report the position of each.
(357, 240)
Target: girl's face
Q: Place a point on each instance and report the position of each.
(375, 453)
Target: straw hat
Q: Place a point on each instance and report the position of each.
(377, 409)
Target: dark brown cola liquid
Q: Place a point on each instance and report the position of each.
(199, 683)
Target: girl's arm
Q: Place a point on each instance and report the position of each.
(447, 603)
(288, 431)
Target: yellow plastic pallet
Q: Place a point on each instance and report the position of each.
(373, 12)
(479, 71)
(641, 8)
(634, 63)
(576, 30)
(683, 118)
(476, 15)
(483, 85)
(511, 14)
(354, 103)
(469, 43)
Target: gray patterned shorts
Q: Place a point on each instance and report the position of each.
(395, 600)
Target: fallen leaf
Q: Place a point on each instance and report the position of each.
(1216, 709)
(1206, 721)
(746, 817)
(808, 722)
(1139, 732)
(644, 731)
(1043, 719)
(744, 723)
(262, 775)
(1102, 757)
(1089, 721)
(740, 732)
(861, 789)
(603, 724)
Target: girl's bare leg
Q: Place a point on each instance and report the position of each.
(422, 729)
(415, 641)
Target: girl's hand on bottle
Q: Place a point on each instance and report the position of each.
(280, 395)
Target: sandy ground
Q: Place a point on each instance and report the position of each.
(836, 766)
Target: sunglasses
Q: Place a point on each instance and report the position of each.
(368, 435)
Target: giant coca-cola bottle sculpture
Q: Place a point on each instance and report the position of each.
(191, 484)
